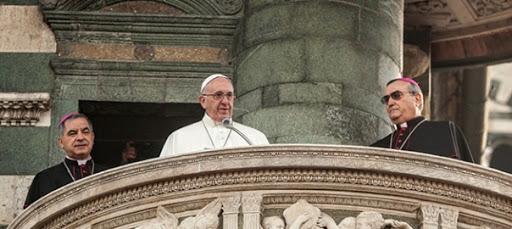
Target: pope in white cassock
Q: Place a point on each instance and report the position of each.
(217, 99)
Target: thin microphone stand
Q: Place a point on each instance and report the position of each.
(228, 123)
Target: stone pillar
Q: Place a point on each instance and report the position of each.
(449, 217)
(230, 206)
(313, 71)
(251, 207)
(429, 216)
(475, 109)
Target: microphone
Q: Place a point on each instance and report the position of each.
(228, 123)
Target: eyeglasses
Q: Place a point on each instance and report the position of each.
(219, 96)
(396, 95)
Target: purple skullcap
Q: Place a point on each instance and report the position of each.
(66, 117)
(409, 80)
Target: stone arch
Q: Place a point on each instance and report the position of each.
(194, 7)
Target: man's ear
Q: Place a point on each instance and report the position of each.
(418, 98)
(202, 101)
(59, 139)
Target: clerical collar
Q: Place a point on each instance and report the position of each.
(411, 123)
(80, 162)
(210, 122)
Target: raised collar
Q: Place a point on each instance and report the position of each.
(210, 122)
(79, 162)
(411, 123)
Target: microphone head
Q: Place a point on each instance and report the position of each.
(227, 122)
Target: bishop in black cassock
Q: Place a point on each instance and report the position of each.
(436, 138)
(59, 175)
(76, 138)
(404, 102)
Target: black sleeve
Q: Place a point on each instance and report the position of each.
(465, 152)
(34, 191)
(383, 143)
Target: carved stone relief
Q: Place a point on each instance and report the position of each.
(431, 12)
(331, 196)
(230, 6)
(303, 215)
(22, 109)
(207, 218)
(485, 8)
(429, 215)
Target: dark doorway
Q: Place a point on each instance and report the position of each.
(147, 124)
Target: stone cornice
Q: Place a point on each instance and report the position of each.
(22, 109)
(135, 28)
(71, 67)
(332, 175)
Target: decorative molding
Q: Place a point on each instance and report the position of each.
(91, 68)
(334, 177)
(97, 27)
(483, 222)
(230, 205)
(374, 181)
(435, 13)
(252, 203)
(22, 109)
(427, 7)
(126, 219)
(196, 7)
(339, 200)
(486, 8)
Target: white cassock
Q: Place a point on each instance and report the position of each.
(208, 134)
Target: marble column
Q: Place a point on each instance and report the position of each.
(251, 209)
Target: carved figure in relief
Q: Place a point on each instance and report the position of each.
(207, 218)
(395, 224)
(326, 221)
(369, 220)
(164, 220)
(273, 222)
(302, 215)
(276, 222)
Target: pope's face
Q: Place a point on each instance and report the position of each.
(218, 109)
(407, 107)
(77, 139)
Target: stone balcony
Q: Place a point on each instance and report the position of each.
(238, 187)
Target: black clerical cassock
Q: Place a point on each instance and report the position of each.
(440, 138)
(57, 176)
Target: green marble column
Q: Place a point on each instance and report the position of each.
(313, 71)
